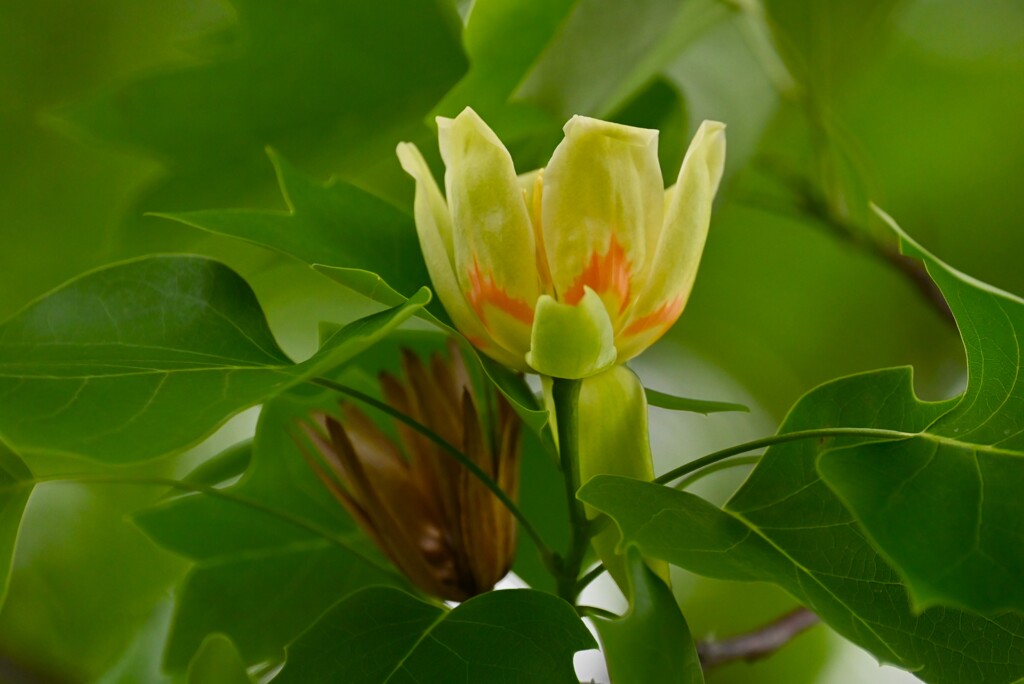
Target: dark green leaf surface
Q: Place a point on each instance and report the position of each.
(335, 225)
(148, 356)
(968, 465)
(651, 642)
(16, 483)
(606, 50)
(315, 78)
(268, 566)
(786, 526)
(498, 65)
(674, 403)
(384, 635)
(217, 662)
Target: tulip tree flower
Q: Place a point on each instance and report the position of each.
(571, 269)
(569, 272)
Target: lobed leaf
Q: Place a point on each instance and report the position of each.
(148, 356)
(944, 507)
(383, 635)
(786, 526)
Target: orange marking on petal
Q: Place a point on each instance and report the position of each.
(478, 342)
(483, 291)
(665, 315)
(605, 274)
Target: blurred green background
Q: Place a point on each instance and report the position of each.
(110, 109)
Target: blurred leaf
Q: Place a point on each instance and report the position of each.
(828, 42)
(48, 57)
(606, 51)
(498, 65)
(661, 106)
(673, 403)
(968, 464)
(217, 662)
(385, 635)
(651, 642)
(144, 357)
(274, 551)
(747, 98)
(85, 582)
(314, 78)
(139, 659)
(786, 526)
(16, 483)
(336, 225)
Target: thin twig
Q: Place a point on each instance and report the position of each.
(710, 459)
(692, 478)
(758, 644)
(565, 395)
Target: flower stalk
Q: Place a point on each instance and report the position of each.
(565, 398)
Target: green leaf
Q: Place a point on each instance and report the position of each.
(606, 51)
(787, 527)
(337, 83)
(384, 635)
(944, 507)
(498, 65)
(16, 483)
(144, 357)
(275, 550)
(336, 225)
(217, 662)
(674, 403)
(651, 642)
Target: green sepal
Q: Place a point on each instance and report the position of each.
(571, 341)
(614, 440)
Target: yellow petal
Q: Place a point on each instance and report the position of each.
(495, 256)
(602, 209)
(434, 227)
(674, 264)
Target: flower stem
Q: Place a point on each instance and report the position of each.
(717, 456)
(547, 555)
(565, 395)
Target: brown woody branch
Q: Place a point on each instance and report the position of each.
(757, 644)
